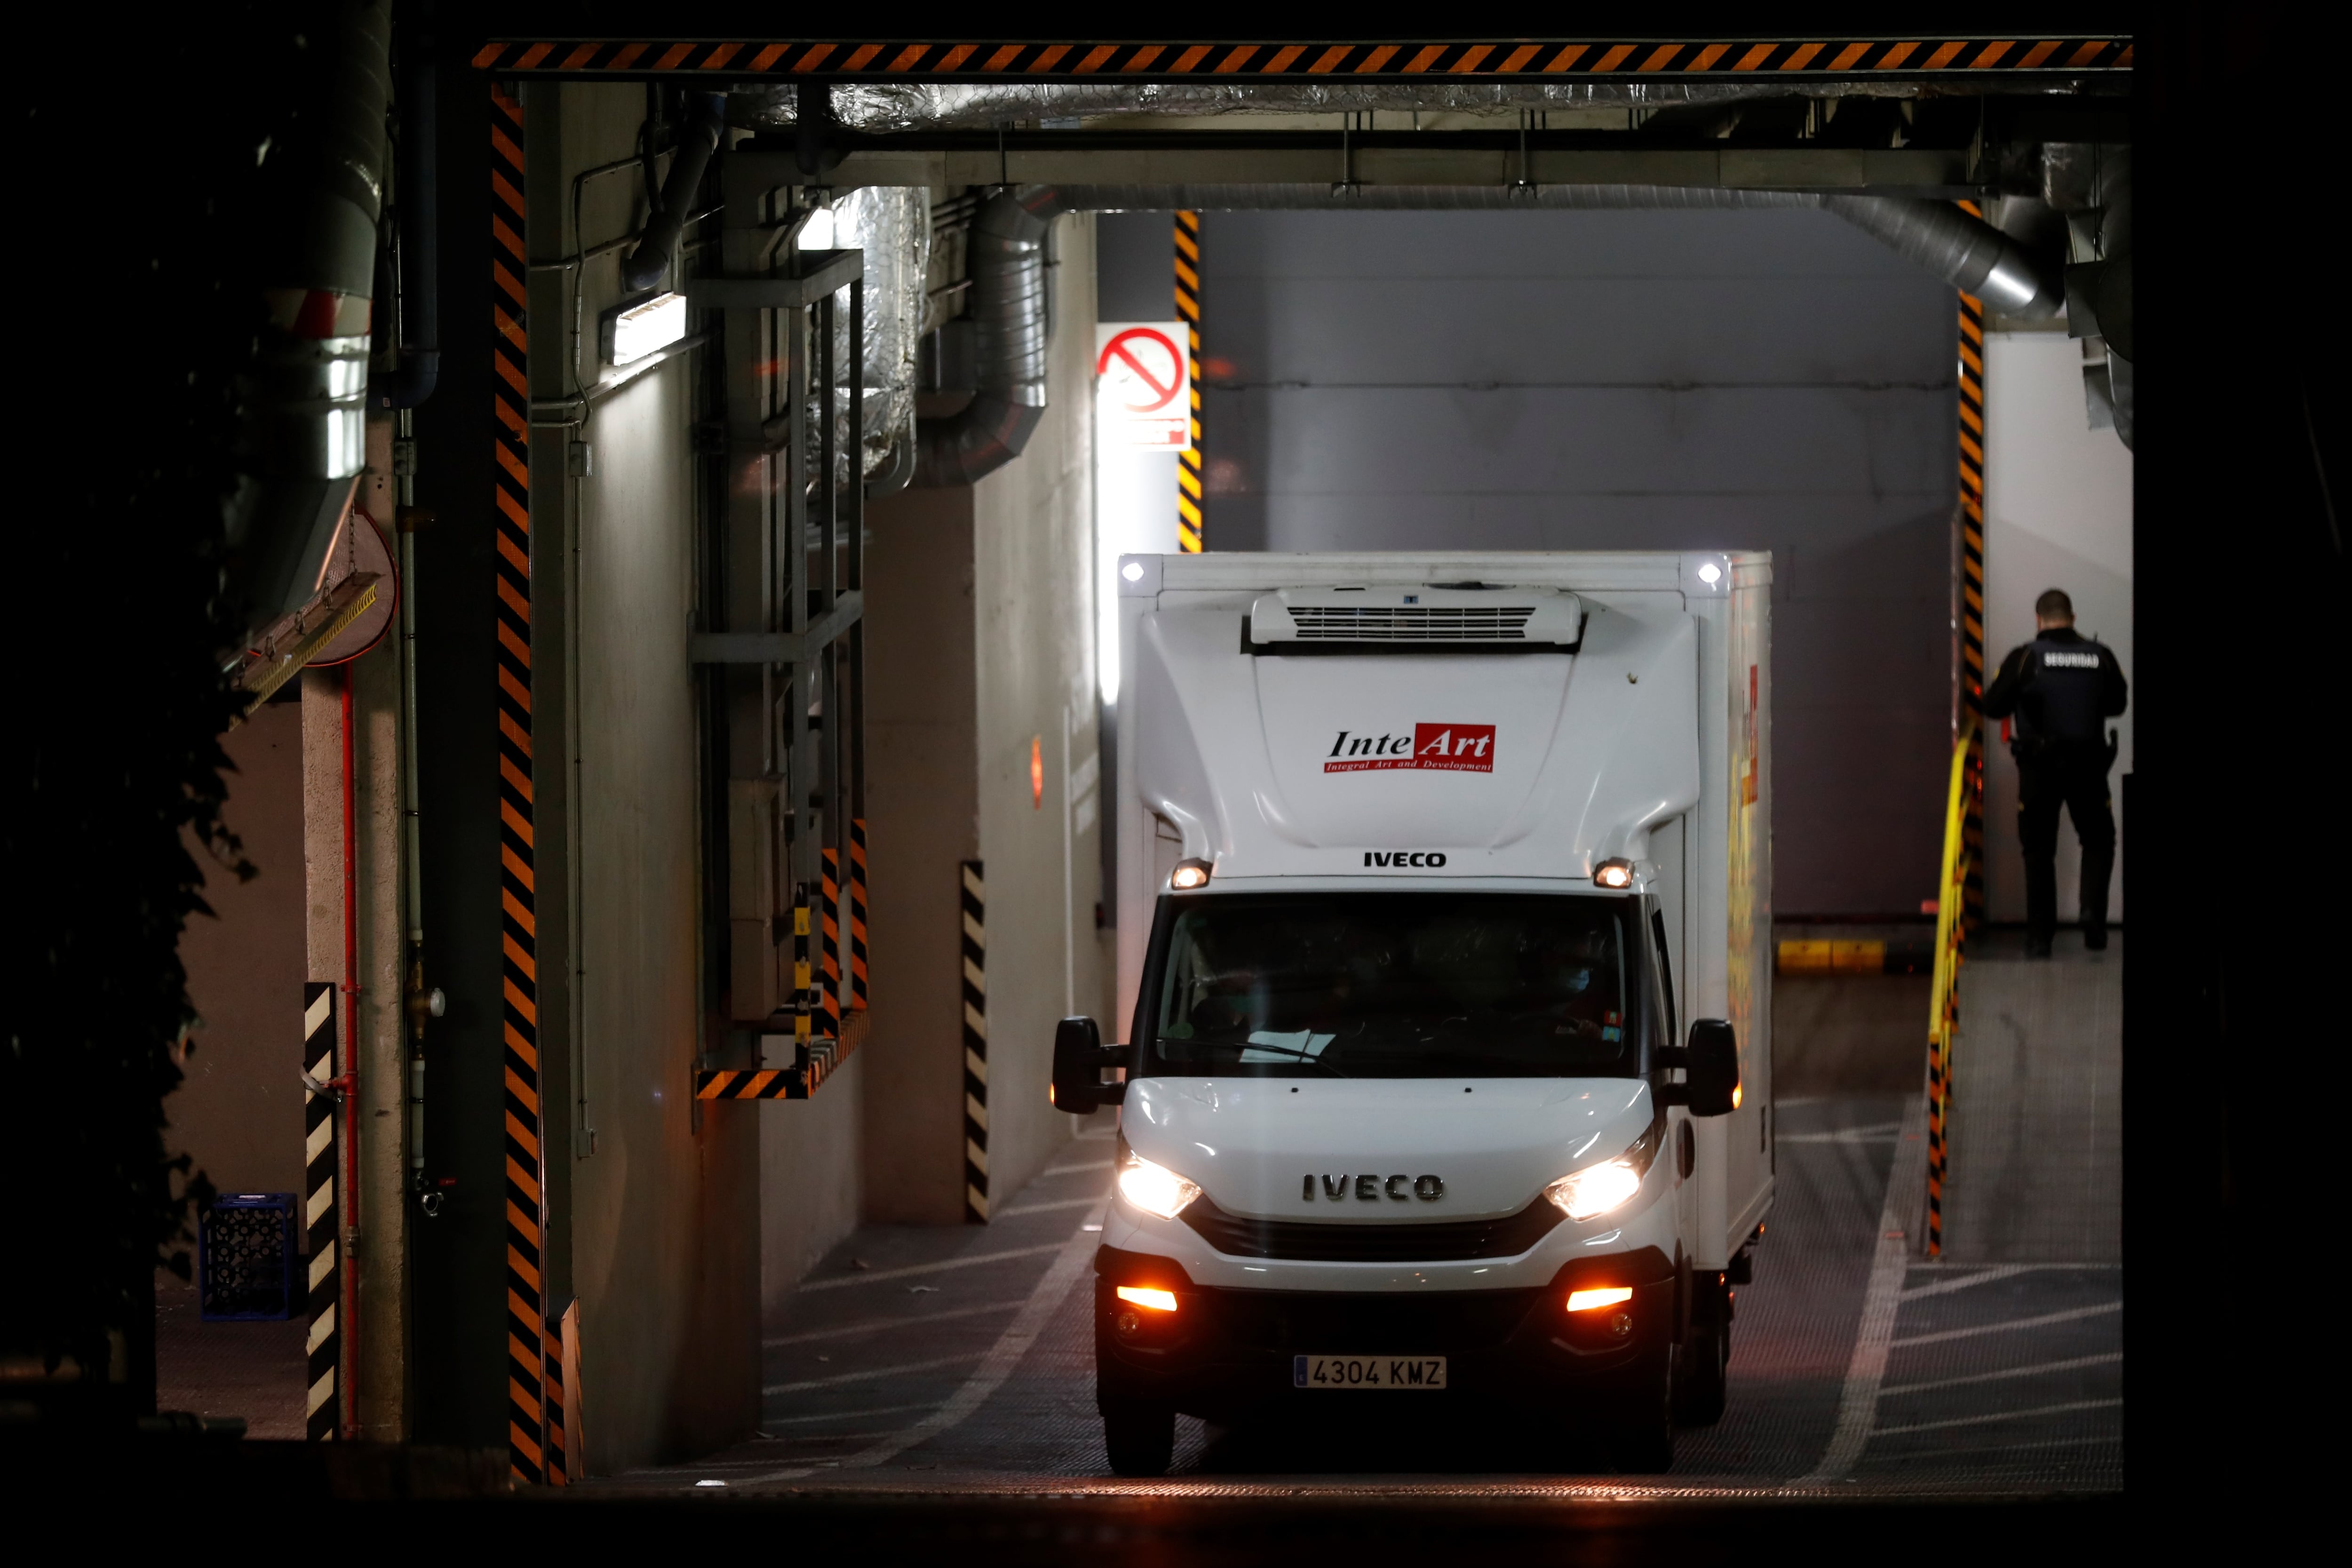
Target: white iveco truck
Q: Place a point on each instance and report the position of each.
(1443, 888)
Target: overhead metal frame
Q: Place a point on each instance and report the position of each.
(780, 650)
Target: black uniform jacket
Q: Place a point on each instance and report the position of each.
(2062, 686)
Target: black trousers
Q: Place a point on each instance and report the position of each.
(2077, 780)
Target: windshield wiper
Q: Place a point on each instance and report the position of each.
(1290, 1052)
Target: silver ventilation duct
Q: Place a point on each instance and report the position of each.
(885, 108)
(1007, 256)
(1008, 290)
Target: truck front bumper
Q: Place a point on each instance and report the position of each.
(1223, 1352)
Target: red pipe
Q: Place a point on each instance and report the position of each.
(350, 1302)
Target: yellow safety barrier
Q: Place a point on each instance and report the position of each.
(1944, 1002)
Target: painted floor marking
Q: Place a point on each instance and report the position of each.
(2069, 1365)
(1858, 1404)
(842, 1377)
(1986, 1273)
(2072, 1404)
(1076, 1255)
(875, 1276)
(2067, 1317)
(877, 1325)
(1045, 1208)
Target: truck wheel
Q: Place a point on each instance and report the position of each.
(1644, 1441)
(1140, 1438)
(1701, 1372)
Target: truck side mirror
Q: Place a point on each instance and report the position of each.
(1080, 1057)
(1712, 1063)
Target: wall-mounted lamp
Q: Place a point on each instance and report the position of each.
(635, 329)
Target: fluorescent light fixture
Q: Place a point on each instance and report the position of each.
(648, 326)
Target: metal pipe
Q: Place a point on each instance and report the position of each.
(1966, 252)
(648, 264)
(351, 1075)
(1008, 291)
(416, 274)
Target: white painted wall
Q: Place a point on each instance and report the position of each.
(1033, 547)
(2058, 508)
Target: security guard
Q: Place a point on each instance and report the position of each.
(2061, 687)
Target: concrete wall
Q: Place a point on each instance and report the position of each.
(239, 1111)
(922, 820)
(1034, 628)
(2058, 510)
(1617, 379)
(661, 1193)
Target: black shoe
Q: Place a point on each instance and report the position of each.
(2095, 938)
(2037, 947)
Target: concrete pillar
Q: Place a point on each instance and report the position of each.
(922, 816)
(376, 1211)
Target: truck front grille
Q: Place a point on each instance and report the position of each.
(1412, 623)
(1430, 1241)
(1331, 1323)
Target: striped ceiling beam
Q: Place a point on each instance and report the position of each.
(1496, 61)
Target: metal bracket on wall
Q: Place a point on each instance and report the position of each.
(777, 647)
(831, 271)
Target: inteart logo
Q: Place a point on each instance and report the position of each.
(1446, 748)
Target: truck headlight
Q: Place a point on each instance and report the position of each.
(1154, 1189)
(1595, 1190)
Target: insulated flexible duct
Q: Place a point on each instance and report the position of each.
(1007, 254)
(1008, 249)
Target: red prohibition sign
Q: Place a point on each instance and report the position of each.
(1118, 349)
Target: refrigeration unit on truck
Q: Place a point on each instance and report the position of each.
(1443, 888)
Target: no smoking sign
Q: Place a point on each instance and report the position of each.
(1143, 391)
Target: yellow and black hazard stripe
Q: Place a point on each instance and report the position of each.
(1784, 59)
(518, 876)
(1971, 379)
(975, 1044)
(750, 1083)
(814, 1061)
(1188, 309)
(857, 914)
(322, 1214)
(828, 963)
(558, 1466)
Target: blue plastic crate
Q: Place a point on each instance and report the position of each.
(246, 1266)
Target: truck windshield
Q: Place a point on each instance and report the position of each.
(1393, 986)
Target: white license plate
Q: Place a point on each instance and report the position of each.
(1412, 1371)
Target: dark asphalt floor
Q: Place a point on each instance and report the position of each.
(944, 1361)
